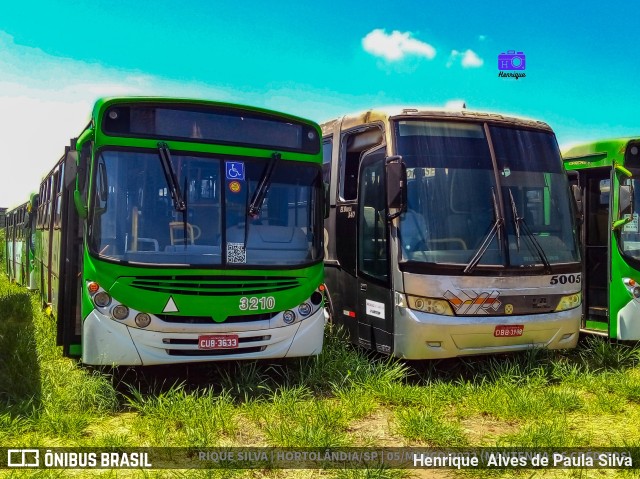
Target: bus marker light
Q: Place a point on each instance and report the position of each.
(102, 299)
(218, 341)
(93, 287)
(120, 312)
(434, 344)
(142, 320)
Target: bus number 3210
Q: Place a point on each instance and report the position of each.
(255, 303)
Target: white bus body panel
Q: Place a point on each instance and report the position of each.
(106, 341)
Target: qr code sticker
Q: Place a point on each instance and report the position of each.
(236, 253)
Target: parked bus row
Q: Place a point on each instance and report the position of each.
(185, 230)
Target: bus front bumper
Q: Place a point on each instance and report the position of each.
(429, 336)
(107, 342)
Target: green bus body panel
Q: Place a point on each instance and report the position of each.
(215, 292)
(197, 291)
(607, 154)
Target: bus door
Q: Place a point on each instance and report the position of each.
(375, 294)
(69, 319)
(595, 188)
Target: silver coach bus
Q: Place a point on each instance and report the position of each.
(450, 233)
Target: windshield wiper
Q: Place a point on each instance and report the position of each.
(179, 202)
(519, 220)
(496, 228)
(171, 177)
(263, 187)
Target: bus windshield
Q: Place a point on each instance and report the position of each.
(135, 218)
(629, 239)
(453, 197)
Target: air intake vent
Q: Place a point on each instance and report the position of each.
(215, 285)
(170, 318)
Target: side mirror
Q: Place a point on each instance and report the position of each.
(75, 169)
(70, 168)
(577, 197)
(396, 186)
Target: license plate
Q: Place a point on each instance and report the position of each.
(218, 341)
(508, 330)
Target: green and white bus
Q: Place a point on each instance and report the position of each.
(603, 176)
(450, 233)
(19, 245)
(176, 230)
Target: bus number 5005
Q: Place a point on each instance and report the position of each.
(565, 278)
(255, 303)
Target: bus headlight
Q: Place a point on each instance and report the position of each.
(569, 302)
(102, 299)
(289, 317)
(142, 320)
(430, 305)
(304, 309)
(120, 312)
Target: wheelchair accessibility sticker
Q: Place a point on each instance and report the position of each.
(234, 169)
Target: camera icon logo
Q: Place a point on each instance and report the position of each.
(512, 60)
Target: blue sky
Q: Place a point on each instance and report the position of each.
(311, 59)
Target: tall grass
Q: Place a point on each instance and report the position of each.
(343, 397)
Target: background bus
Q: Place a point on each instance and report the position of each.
(182, 230)
(602, 173)
(463, 243)
(20, 244)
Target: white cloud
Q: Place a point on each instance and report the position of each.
(396, 46)
(468, 59)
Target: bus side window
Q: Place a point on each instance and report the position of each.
(327, 147)
(353, 147)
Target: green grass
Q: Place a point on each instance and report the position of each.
(344, 397)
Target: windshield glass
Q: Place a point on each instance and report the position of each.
(630, 233)
(135, 219)
(453, 197)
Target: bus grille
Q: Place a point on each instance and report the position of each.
(218, 352)
(215, 285)
(170, 318)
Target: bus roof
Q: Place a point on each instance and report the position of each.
(599, 153)
(395, 112)
(102, 103)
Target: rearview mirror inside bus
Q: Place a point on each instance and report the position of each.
(396, 173)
